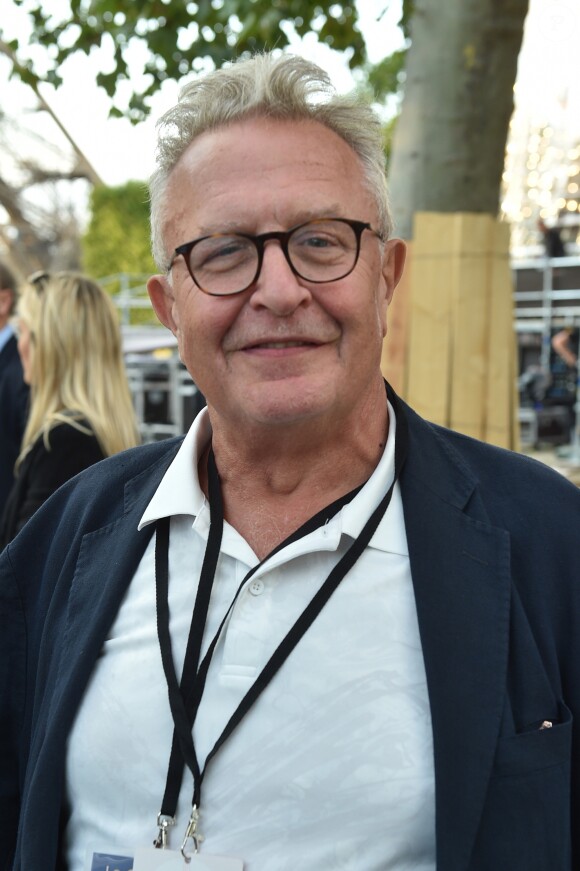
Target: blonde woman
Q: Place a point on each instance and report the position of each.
(81, 410)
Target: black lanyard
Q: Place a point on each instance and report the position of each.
(185, 697)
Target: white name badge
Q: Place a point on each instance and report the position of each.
(150, 859)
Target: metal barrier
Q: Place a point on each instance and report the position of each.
(165, 398)
(129, 293)
(547, 299)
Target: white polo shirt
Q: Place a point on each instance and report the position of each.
(333, 766)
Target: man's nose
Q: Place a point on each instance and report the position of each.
(277, 287)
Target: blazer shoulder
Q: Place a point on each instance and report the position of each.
(97, 497)
(104, 482)
(448, 461)
(67, 439)
(496, 465)
(133, 461)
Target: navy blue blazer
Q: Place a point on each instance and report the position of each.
(13, 414)
(493, 541)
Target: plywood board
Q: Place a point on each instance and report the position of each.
(501, 401)
(396, 344)
(430, 323)
(470, 267)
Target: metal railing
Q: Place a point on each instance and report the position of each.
(164, 396)
(129, 293)
(547, 299)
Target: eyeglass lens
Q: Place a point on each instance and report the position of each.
(319, 251)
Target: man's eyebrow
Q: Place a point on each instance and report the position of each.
(240, 225)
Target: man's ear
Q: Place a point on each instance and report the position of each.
(162, 299)
(393, 265)
(392, 268)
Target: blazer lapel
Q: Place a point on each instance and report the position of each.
(106, 562)
(460, 570)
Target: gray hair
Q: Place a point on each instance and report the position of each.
(286, 87)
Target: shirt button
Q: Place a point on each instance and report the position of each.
(256, 588)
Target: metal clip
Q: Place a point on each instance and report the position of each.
(164, 822)
(191, 833)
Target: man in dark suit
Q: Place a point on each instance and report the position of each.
(13, 390)
(318, 632)
(552, 240)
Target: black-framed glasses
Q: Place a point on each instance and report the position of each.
(319, 251)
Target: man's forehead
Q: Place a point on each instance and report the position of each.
(245, 136)
(251, 161)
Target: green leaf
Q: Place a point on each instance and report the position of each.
(161, 25)
(385, 77)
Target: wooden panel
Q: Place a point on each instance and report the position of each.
(430, 322)
(461, 345)
(395, 346)
(470, 268)
(502, 427)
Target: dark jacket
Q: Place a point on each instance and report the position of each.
(13, 413)
(493, 543)
(43, 471)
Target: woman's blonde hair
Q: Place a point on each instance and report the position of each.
(77, 371)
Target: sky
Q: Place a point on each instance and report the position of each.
(548, 85)
(119, 150)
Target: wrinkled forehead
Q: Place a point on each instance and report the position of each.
(265, 169)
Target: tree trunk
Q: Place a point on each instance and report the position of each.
(449, 143)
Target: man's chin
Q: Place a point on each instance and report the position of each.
(283, 404)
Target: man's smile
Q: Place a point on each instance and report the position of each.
(282, 345)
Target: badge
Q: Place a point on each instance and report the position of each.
(110, 862)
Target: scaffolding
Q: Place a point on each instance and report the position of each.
(547, 299)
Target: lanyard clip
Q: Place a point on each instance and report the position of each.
(191, 833)
(164, 821)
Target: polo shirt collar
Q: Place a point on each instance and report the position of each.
(179, 492)
(390, 534)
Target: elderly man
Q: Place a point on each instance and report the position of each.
(319, 632)
(13, 390)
